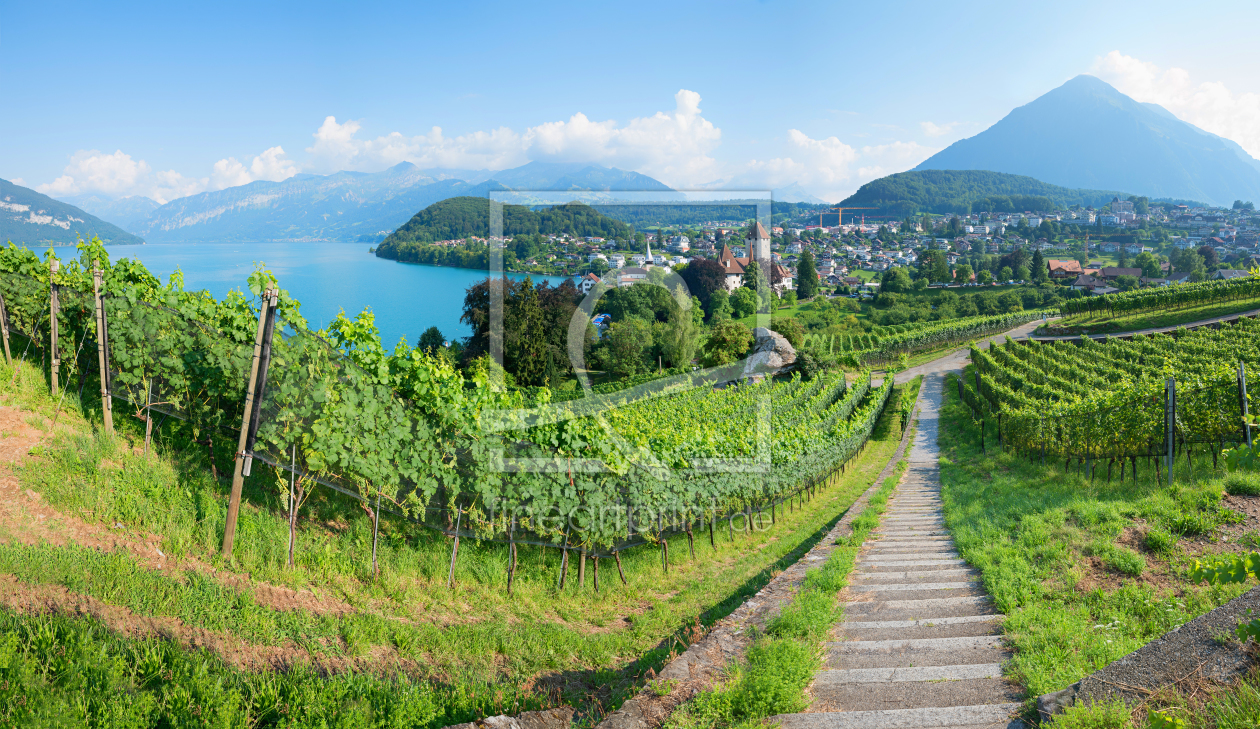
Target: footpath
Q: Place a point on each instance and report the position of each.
(920, 643)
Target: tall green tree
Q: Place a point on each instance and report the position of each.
(728, 341)
(1039, 270)
(806, 276)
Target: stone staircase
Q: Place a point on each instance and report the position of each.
(920, 644)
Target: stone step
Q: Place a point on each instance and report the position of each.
(926, 609)
(882, 568)
(915, 695)
(911, 586)
(991, 716)
(912, 629)
(902, 646)
(901, 560)
(909, 659)
(907, 542)
(909, 576)
(833, 676)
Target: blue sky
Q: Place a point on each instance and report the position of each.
(161, 100)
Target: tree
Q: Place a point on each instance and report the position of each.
(728, 341)
(704, 276)
(1189, 261)
(1209, 256)
(789, 298)
(1040, 271)
(1021, 273)
(720, 306)
(626, 342)
(681, 338)
(431, 340)
(791, 328)
(1126, 283)
(753, 277)
(1148, 263)
(896, 280)
(806, 276)
(984, 277)
(962, 273)
(744, 302)
(934, 267)
(1006, 274)
(1123, 259)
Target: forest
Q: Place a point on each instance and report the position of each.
(462, 217)
(962, 191)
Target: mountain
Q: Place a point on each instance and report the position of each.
(794, 193)
(358, 206)
(121, 212)
(28, 217)
(962, 191)
(1086, 134)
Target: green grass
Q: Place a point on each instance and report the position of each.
(1031, 530)
(1104, 324)
(584, 648)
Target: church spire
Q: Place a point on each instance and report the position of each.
(648, 262)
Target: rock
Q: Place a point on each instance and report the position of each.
(1056, 703)
(772, 354)
(629, 716)
(559, 718)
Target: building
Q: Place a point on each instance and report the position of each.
(631, 276)
(587, 283)
(758, 242)
(1064, 269)
(1111, 273)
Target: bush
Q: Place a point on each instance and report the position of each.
(1122, 560)
(1242, 484)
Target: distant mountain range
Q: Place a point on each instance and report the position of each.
(123, 212)
(1086, 134)
(28, 217)
(357, 206)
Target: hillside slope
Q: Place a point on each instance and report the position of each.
(27, 216)
(962, 191)
(1086, 134)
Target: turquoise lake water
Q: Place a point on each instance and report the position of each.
(325, 278)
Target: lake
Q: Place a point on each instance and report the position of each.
(326, 277)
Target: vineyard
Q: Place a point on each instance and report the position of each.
(404, 433)
(886, 344)
(1163, 298)
(1154, 397)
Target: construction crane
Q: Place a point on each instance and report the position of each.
(839, 214)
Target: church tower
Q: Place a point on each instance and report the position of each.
(758, 243)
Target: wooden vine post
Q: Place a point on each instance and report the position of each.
(238, 473)
(54, 306)
(1242, 397)
(1170, 423)
(4, 327)
(102, 351)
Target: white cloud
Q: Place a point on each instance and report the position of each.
(270, 165)
(118, 175)
(937, 130)
(18, 181)
(95, 171)
(829, 167)
(1209, 105)
(673, 147)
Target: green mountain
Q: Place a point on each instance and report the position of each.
(1086, 134)
(962, 191)
(462, 217)
(28, 217)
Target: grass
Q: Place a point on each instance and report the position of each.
(1060, 554)
(1104, 324)
(543, 645)
(781, 664)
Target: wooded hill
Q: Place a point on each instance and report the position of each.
(964, 191)
(462, 217)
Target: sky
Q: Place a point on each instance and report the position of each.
(165, 101)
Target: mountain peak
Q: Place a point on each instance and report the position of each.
(1087, 134)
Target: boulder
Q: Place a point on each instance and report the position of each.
(772, 354)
